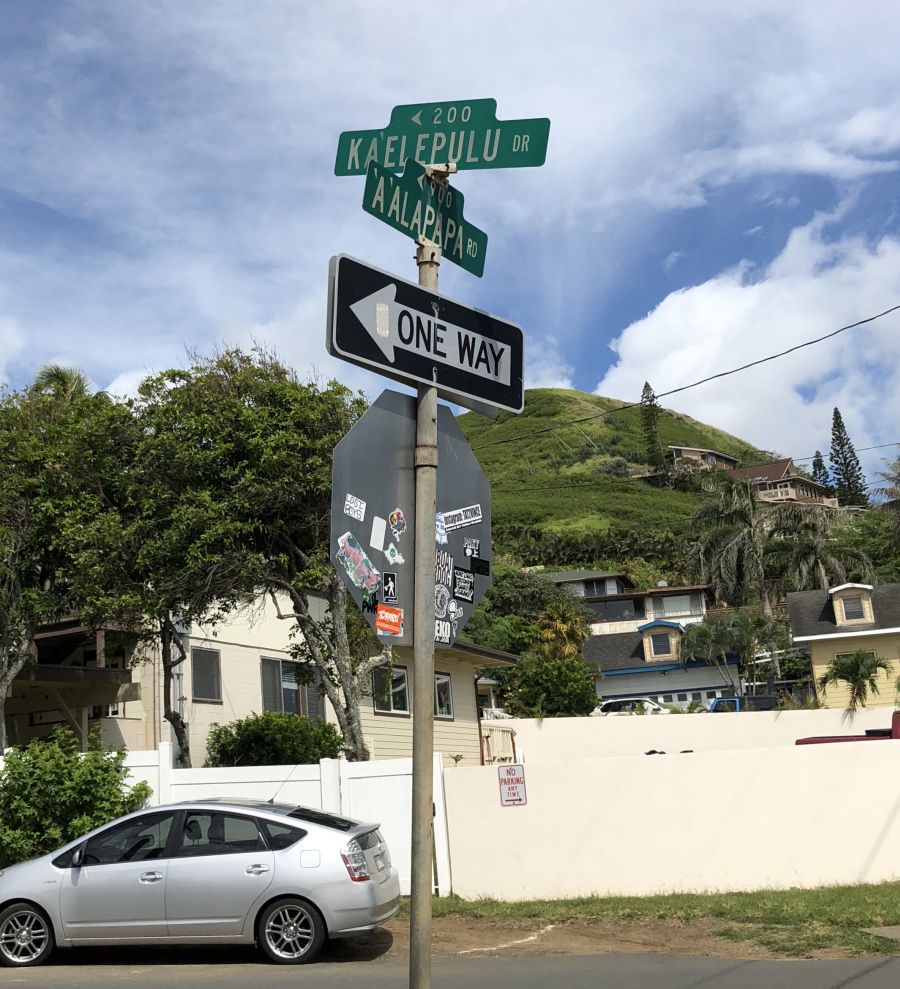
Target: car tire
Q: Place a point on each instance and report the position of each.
(26, 936)
(290, 931)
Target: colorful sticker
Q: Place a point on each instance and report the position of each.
(376, 539)
(461, 517)
(472, 547)
(397, 523)
(440, 530)
(388, 620)
(393, 554)
(463, 585)
(358, 566)
(389, 587)
(441, 600)
(442, 631)
(354, 507)
(443, 568)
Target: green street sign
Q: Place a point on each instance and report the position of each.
(420, 207)
(466, 133)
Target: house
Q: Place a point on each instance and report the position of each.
(708, 459)
(780, 482)
(633, 648)
(240, 666)
(843, 620)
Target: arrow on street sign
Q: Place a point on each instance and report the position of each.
(418, 206)
(400, 330)
(465, 132)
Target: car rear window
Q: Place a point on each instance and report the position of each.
(321, 817)
(280, 836)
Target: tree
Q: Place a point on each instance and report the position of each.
(710, 641)
(849, 480)
(50, 793)
(551, 688)
(889, 498)
(859, 671)
(564, 627)
(751, 634)
(65, 383)
(650, 412)
(820, 474)
(272, 739)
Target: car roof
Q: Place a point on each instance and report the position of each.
(296, 812)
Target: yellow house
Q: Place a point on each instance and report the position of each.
(843, 620)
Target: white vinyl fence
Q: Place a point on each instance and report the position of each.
(378, 791)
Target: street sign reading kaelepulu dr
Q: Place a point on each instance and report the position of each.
(402, 331)
(466, 133)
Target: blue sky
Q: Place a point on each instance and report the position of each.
(720, 184)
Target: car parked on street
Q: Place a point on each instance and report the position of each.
(201, 872)
(630, 705)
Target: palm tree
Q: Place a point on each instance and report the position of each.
(859, 671)
(63, 382)
(730, 550)
(564, 628)
(710, 641)
(889, 496)
(751, 634)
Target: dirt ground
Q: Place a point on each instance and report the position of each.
(458, 936)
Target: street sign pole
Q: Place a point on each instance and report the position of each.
(428, 257)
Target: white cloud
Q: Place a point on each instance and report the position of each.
(12, 342)
(545, 367)
(814, 285)
(672, 259)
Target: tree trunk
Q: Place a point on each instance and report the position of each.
(168, 637)
(3, 688)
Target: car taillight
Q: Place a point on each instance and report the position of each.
(355, 860)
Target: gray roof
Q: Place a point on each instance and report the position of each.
(618, 651)
(812, 613)
(568, 576)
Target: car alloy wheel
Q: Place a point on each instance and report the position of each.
(291, 932)
(25, 936)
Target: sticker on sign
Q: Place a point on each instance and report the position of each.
(512, 786)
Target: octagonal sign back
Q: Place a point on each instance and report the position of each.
(373, 521)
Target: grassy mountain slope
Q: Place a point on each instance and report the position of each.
(549, 489)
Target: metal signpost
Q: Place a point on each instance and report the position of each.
(393, 327)
(412, 334)
(425, 209)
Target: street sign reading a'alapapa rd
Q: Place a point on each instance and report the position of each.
(466, 133)
(420, 207)
(402, 331)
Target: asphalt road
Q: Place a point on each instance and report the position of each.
(242, 969)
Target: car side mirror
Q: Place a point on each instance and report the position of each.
(78, 857)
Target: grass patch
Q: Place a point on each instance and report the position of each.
(790, 922)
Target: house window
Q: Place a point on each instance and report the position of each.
(206, 675)
(853, 609)
(390, 693)
(678, 604)
(281, 687)
(660, 645)
(846, 655)
(443, 696)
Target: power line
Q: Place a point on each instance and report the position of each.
(695, 384)
(862, 449)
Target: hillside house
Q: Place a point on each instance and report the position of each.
(843, 620)
(780, 482)
(709, 459)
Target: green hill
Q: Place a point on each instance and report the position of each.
(552, 501)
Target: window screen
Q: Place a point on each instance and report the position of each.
(206, 675)
(853, 609)
(660, 644)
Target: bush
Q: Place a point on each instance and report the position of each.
(550, 688)
(51, 792)
(614, 467)
(272, 739)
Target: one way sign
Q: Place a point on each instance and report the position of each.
(400, 330)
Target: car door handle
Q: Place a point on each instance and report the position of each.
(256, 870)
(151, 877)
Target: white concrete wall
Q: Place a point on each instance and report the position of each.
(736, 820)
(581, 738)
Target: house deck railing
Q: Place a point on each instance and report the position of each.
(498, 744)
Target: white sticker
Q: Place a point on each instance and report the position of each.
(355, 507)
(440, 530)
(376, 540)
(470, 515)
(393, 554)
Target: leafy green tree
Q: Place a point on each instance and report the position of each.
(650, 413)
(50, 793)
(551, 688)
(849, 480)
(820, 474)
(272, 739)
(564, 626)
(859, 672)
(888, 495)
(65, 383)
(750, 634)
(710, 641)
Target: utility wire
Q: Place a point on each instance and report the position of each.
(695, 384)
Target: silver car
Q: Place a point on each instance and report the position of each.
(203, 872)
